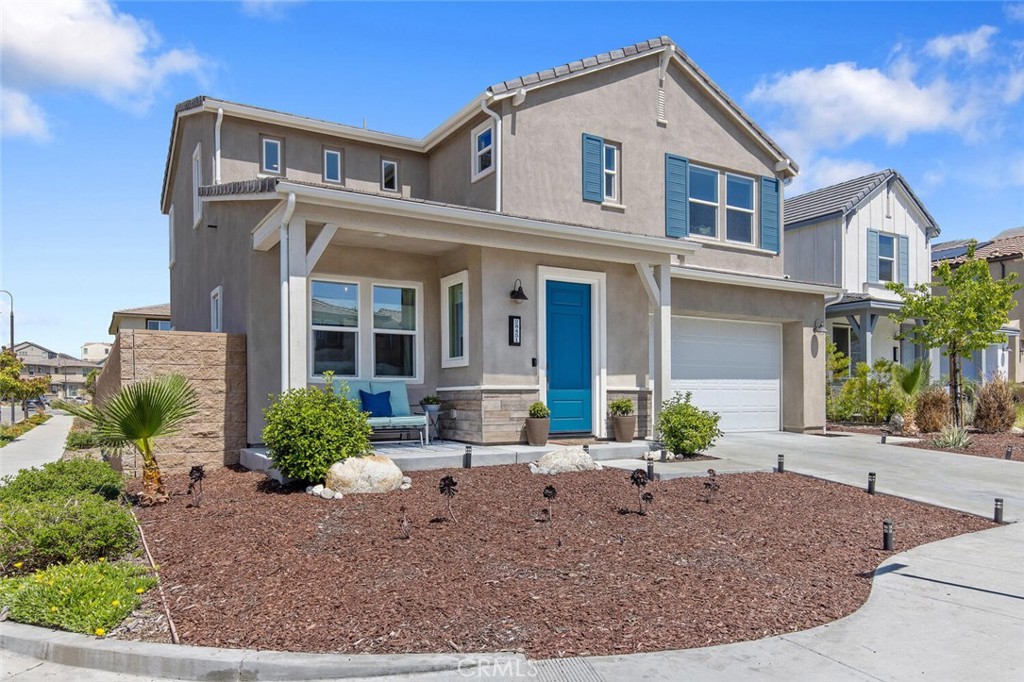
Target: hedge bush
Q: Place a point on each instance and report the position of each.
(81, 439)
(89, 598)
(932, 409)
(684, 428)
(994, 409)
(63, 479)
(56, 530)
(309, 429)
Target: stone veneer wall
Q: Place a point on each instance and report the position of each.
(641, 407)
(214, 364)
(485, 416)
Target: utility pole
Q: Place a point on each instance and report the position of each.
(4, 291)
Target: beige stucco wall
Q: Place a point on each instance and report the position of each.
(451, 170)
(542, 149)
(803, 357)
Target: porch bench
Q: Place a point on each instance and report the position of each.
(401, 419)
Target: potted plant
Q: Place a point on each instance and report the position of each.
(538, 424)
(623, 420)
(431, 404)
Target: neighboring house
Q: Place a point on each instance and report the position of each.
(1005, 255)
(96, 351)
(626, 202)
(859, 235)
(152, 317)
(67, 373)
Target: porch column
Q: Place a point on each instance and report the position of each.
(662, 340)
(298, 332)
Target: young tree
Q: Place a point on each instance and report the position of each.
(90, 382)
(965, 318)
(13, 387)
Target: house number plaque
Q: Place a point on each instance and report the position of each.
(515, 330)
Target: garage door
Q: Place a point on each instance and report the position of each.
(732, 368)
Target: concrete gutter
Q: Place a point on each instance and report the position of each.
(184, 662)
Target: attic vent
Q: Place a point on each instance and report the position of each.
(661, 106)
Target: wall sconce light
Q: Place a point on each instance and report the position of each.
(517, 294)
(819, 327)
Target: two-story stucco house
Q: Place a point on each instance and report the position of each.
(861, 234)
(609, 227)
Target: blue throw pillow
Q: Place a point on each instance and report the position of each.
(377, 404)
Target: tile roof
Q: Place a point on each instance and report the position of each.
(1000, 248)
(163, 309)
(840, 199)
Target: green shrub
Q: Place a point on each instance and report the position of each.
(953, 438)
(309, 429)
(994, 410)
(63, 479)
(621, 407)
(55, 530)
(684, 428)
(79, 597)
(932, 409)
(82, 439)
(9, 433)
(539, 410)
(873, 393)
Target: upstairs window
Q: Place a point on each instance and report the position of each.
(158, 325)
(332, 166)
(482, 150)
(703, 202)
(739, 209)
(197, 182)
(271, 157)
(886, 257)
(389, 175)
(611, 172)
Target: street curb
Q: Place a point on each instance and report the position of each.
(186, 662)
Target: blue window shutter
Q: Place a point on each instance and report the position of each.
(593, 186)
(872, 255)
(770, 214)
(904, 264)
(677, 196)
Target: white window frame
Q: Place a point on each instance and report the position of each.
(217, 309)
(754, 235)
(475, 155)
(616, 196)
(716, 204)
(197, 181)
(448, 360)
(365, 360)
(264, 140)
(313, 328)
(341, 167)
(894, 273)
(170, 239)
(398, 182)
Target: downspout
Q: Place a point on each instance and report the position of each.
(824, 319)
(216, 147)
(497, 151)
(288, 211)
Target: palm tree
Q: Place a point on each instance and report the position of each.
(138, 414)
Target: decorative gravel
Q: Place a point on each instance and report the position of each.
(991, 445)
(259, 567)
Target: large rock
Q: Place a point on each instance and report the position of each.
(370, 474)
(566, 459)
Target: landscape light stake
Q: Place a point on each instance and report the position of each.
(997, 515)
(467, 458)
(887, 535)
(664, 455)
(1009, 452)
(586, 448)
(650, 469)
(883, 439)
(871, 483)
(781, 468)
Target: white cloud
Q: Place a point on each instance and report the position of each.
(1015, 12)
(88, 46)
(825, 171)
(267, 9)
(841, 103)
(1014, 87)
(932, 179)
(21, 117)
(973, 44)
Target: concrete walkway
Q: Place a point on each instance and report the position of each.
(951, 610)
(44, 443)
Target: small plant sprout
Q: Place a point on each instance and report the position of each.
(195, 484)
(550, 494)
(449, 488)
(645, 500)
(404, 524)
(639, 479)
(711, 486)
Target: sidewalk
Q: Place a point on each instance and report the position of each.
(44, 443)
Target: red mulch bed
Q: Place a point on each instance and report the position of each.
(992, 445)
(260, 568)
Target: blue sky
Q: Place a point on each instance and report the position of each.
(935, 90)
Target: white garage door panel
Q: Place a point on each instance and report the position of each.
(733, 368)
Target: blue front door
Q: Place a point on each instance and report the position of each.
(570, 393)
